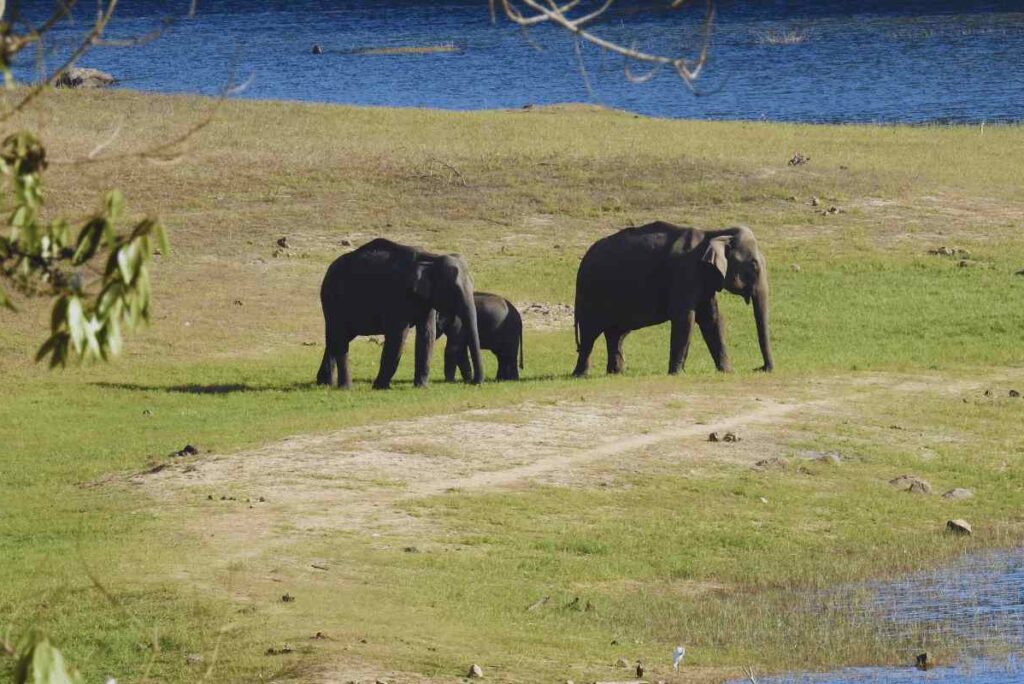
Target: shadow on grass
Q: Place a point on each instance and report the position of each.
(242, 388)
(195, 388)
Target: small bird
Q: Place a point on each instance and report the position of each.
(677, 657)
(639, 670)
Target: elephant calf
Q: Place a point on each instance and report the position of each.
(501, 330)
(644, 276)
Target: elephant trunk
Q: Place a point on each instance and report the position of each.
(469, 316)
(759, 297)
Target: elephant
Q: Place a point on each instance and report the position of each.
(501, 330)
(660, 272)
(386, 288)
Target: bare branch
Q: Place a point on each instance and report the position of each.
(547, 11)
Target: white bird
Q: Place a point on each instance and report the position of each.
(677, 657)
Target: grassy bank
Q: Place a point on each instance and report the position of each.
(664, 551)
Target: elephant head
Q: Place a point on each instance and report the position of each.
(740, 268)
(445, 283)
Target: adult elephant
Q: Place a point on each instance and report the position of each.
(384, 288)
(660, 272)
(501, 331)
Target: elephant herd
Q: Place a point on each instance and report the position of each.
(631, 279)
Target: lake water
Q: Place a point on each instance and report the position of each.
(869, 61)
(976, 603)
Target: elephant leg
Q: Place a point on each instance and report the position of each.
(325, 376)
(680, 343)
(465, 367)
(390, 355)
(335, 360)
(614, 338)
(712, 327)
(587, 337)
(451, 360)
(511, 362)
(425, 336)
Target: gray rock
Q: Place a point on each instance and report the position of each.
(778, 462)
(82, 77)
(911, 483)
(958, 526)
(622, 662)
(958, 494)
(475, 671)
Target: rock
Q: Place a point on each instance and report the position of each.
(187, 450)
(622, 662)
(714, 437)
(911, 483)
(776, 462)
(475, 671)
(958, 494)
(193, 659)
(923, 661)
(83, 77)
(958, 526)
(795, 268)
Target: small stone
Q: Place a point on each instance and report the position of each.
(622, 662)
(475, 671)
(193, 659)
(911, 483)
(959, 526)
(958, 494)
(714, 437)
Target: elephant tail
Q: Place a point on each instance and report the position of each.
(521, 366)
(576, 330)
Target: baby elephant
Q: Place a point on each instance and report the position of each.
(501, 331)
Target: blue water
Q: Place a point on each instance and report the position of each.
(868, 61)
(977, 603)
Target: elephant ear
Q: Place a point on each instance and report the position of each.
(715, 254)
(421, 281)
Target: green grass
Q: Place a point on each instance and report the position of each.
(521, 194)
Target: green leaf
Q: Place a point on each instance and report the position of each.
(88, 242)
(76, 324)
(115, 205)
(42, 663)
